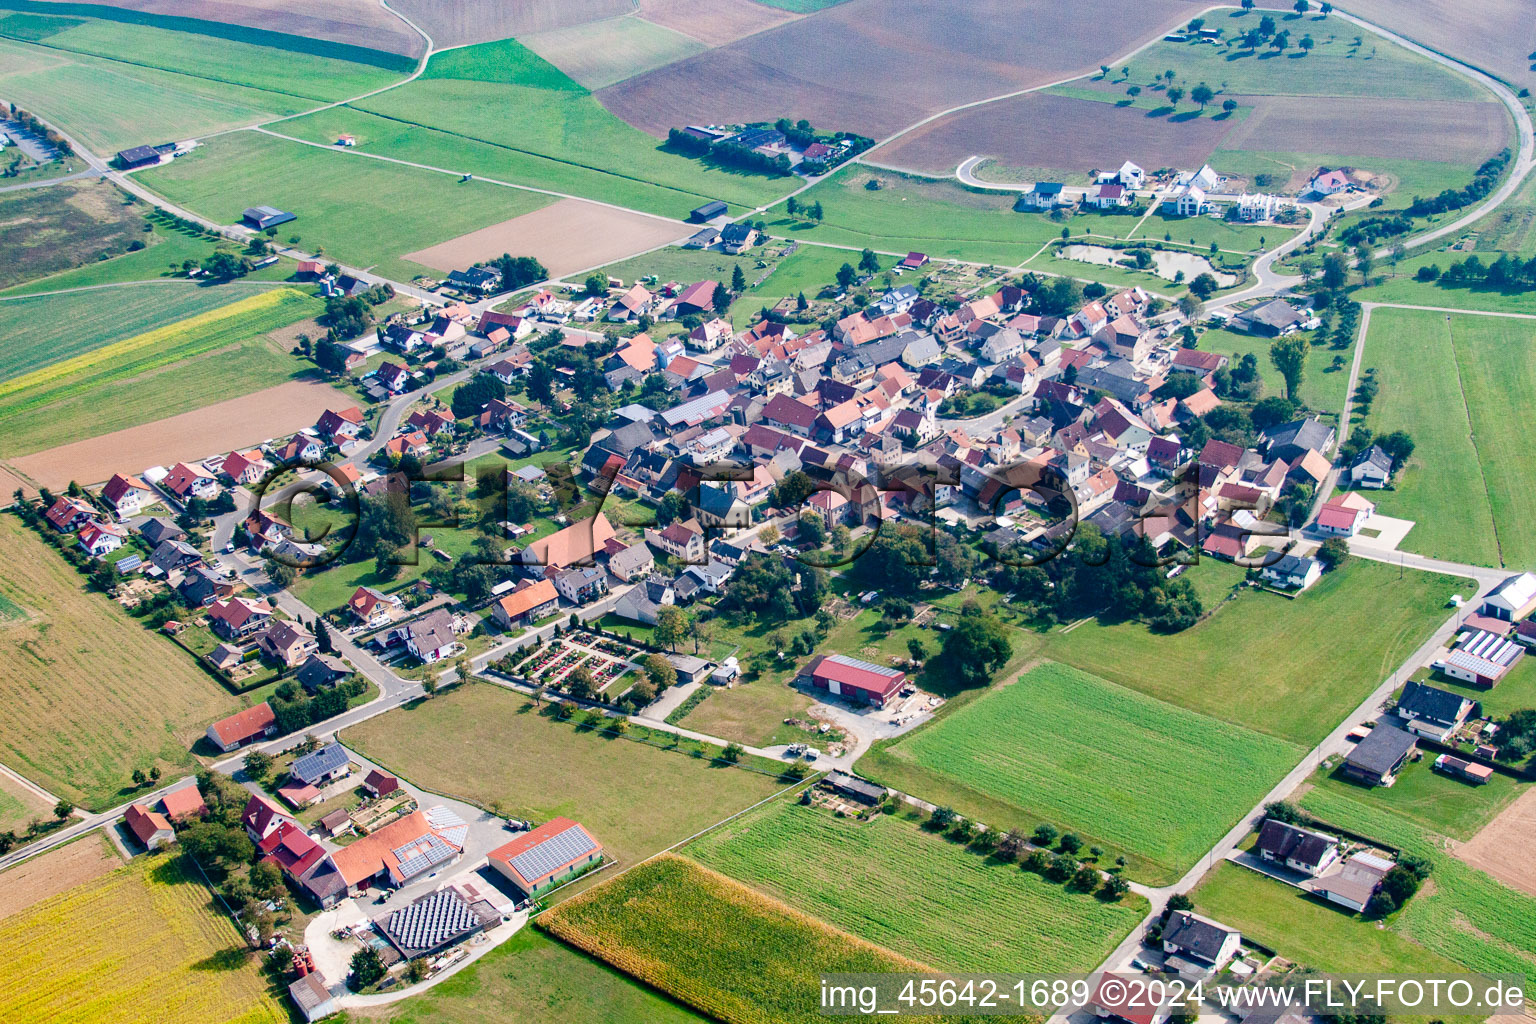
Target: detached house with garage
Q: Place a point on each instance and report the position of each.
(234, 732)
(126, 495)
(1299, 849)
(187, 482)
(1431, 711)
(1371, 468)
(1378, 758)
(1195, 944)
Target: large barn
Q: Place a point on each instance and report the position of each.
(858, 681)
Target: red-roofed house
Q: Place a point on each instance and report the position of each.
(187, 482)
(150, 827)
(338, 425)
(68, 514)
(696, 298)
(373, 608)
(1339, 518)
(242, 727)
(788, 414)
(238, 617)
(380, 783)
(184, 804)
(914, 261)
(127, 495)
(527, 604)
(858, 681)
(539, 860)
(245, 467)
(101, 538)
(261, 817)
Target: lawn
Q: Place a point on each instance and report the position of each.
(1119, 768)
(1291, 668)
(19, 807)
(217, 354)
(1463, 388)
(888, 881)
(1233, 236)
(534, 978)
(96, 319)
(551, 132)
(1401, 288)
(484, 743)
(1333, 68)
(714, 943)
(145, 944)
(361, 212)
(1323, 388)
(684, 266)
(1465, 915)
(90, 694)
(1515, 691)
(1306, 929)
(1436, 801)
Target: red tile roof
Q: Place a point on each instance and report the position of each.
(145, 822)
(528, 840)
(244, 725)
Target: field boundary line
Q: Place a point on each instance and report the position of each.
(1466, 408)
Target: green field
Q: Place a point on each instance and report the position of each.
(1120, 768)
(1333, 68)
(1287, 667)
(165, 249)
(1323, 389)
(218, 354)
(1463, 388)
(1200, 232)
(484, 743)
(714, 943)
(362, 212)
(1465, 915)
(916, 893)
(538, 980)
(1307, 930)
(547, 131)
(1437, 802)
(95, 318)
(1402, 289)
(601, 53)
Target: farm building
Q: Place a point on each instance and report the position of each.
(1272, 319)
(402, 851)
(1512, 600)
(1431, 711)
(539, 860)
(436, 921)
(856, 789)
(242, 727)
(530, 602)
(1469, 771)
(150, 827)
(858, 681)
(380, 784)
(1482, 658)
(1299, 849)
(709, 211)
(263, 217)
(1378, 758)
(138, 156)
(689, 668)
(183, 804)
(312, 998)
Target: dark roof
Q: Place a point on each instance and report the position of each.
(1195, 934)
(1307, 433)
(1375, 456)
(311, 767)
(1381, 750)
(1288, 842)
(735, 232)
(1429, 703)
(138, 154)
(858, 787)
(708, 210)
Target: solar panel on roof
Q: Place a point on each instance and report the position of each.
(843, 659)
(419, 855)
(553, 853)
(429, 922)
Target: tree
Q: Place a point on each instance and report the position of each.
(720, 299)
(1011, 846)
(792, 206)
(815, 211)
(846, 276)
(1398, 445)
(659, 671)
(1325, 8)
(517, 271)
(1289, 354)
(1202, 94)
(1204, 286)
(1306, 44)
(1333, 553)
(1174, 94)
(1248, 5)
(1335, 271)
(257, 764)
(1271, 412)
(1301, 6)
(579, 682)
(1228, 106)
(1266, 26)
(1133, 91)
(429, 683)
(732, 752)
(916, 649)
(1365, 262)
(267, 880)
(869, 262)
(367, 968)
(1179, 901)
(671, 626)
(1070, 843)
(323, 642)
(62, 809)
(416, 971)
(280, 573)
(738, 279)
(1190, 307)
(813, 529)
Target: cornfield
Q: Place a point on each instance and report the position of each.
(715, 944)
(145, 944)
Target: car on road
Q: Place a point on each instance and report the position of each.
(229, 548)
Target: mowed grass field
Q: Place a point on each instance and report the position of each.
(1402, 289)
(145, 944)
(1466, 915)
(714, 943)
(89, 693)
(1115, 766)
(540, 127)
(213, 355)
(1323, 389)
(534, 978)
(362, 212)
(113, 85)
(601, 53)
(1437, 802)
(484, 743)
(20, 806)
(1464, 387)
(916, 893)
(29, 338)
(1287, 667)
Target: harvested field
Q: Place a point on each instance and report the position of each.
(357, 22)
(222, 426)
(605, 52)
(1057, 132)
(714, 22)
(1500, 39)
(567, 236)
(456, 22)
(90, 694)
(1503, 846)
(1442, 130)
(56, 871)
(835, 67)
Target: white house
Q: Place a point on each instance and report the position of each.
(127, 495)
(1002, 346)
(1256, 207)
(1371, 468)
(1205, 178)
(1131, 176)
(1513, 599)
(1198, 942)
(1293, 572)
(1191, 202)
(1328, 183)
(1300, 849)
(101, 538)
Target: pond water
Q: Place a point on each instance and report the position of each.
(1164, 264)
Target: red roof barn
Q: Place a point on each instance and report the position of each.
(859, 681)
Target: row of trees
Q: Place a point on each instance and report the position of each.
(1483, 180)
(1507, 273)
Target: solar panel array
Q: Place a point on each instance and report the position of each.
(431, 921)
(311, 766)
(421, 854)
(867, 666)
(553, 853)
